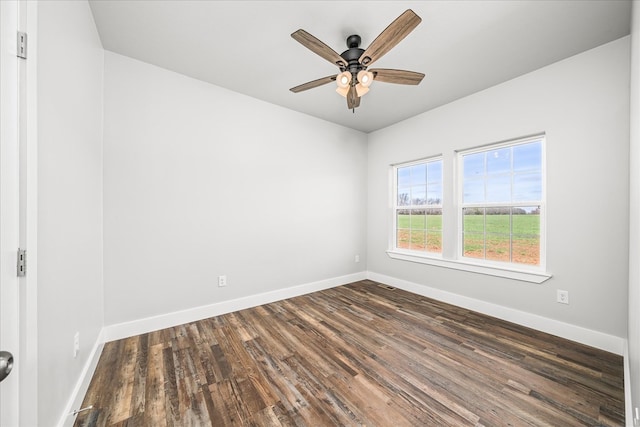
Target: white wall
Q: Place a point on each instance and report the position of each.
(201, 182)
(634, 223)
(70, 294)
(582, 105)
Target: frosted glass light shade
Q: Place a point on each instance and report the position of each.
(343, 90)
(361, 90)
(365, 78)
(344, 79)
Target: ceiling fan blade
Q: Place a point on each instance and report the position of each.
(391, 36)
(313, 83)
(318, 47)
(353, 100)
(401, 77)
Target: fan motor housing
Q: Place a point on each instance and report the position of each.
(353, 54)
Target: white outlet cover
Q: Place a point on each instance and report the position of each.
(563, 297)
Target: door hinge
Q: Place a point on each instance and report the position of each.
(22, 45)
(22, 262)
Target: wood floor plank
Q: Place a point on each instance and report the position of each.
(362, 354)
(122, 396)
(155, 404)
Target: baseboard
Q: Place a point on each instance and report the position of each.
(579, 334)
(149, 324)
(79, 391)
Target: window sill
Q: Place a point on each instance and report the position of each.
(510, 273)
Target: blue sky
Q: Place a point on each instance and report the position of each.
(510, 174)
(506, 175)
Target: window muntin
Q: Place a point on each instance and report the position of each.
(418, 206)
(501, 203)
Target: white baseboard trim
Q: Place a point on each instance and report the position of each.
(579, 334)
(79, 391)
(149, 324)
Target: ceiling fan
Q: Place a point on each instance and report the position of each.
(355, 78)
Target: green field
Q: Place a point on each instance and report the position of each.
(513, 238)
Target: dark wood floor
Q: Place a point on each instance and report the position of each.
(361, 354)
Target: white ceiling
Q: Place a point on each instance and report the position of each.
(462, 46)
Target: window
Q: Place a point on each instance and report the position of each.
(418, 206)
(501, 202)
(486, 218)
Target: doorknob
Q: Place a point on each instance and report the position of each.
(6, 364)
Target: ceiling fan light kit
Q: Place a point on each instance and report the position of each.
(343, 91)
(354, 78)
(361, 90)
(344, 79)
(365, 78)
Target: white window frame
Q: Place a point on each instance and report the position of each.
(394, 206)
(541, 267)
(451, 256)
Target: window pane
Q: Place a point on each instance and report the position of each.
(526, 250)
(418, 240)
(473, 232)
(403, 239)
(419, 174)
(418, 220)
(499, 188)
(498, 247)
(526, 221)
(402, 229)
(434, 219)
(498, 238)
(473, 245)
(403, 219)
(404, 177)
(527, 156)
(419, 195)
(498, 221)
(434, 194)
(434, 230)
(526, 235)
(473, 220)
(499, 161)
(404, 198)
(473, 191)
(434, 242)
(434, 172)
(473, 165)
(527, 187)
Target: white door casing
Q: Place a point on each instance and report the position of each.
(9, 208)
(18, 212)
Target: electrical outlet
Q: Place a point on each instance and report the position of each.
(563, 297)
(357, 258)
(222, 281)
(76, 344)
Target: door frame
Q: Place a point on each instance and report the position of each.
(18, 212)
(9, 209)
(28, 186)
